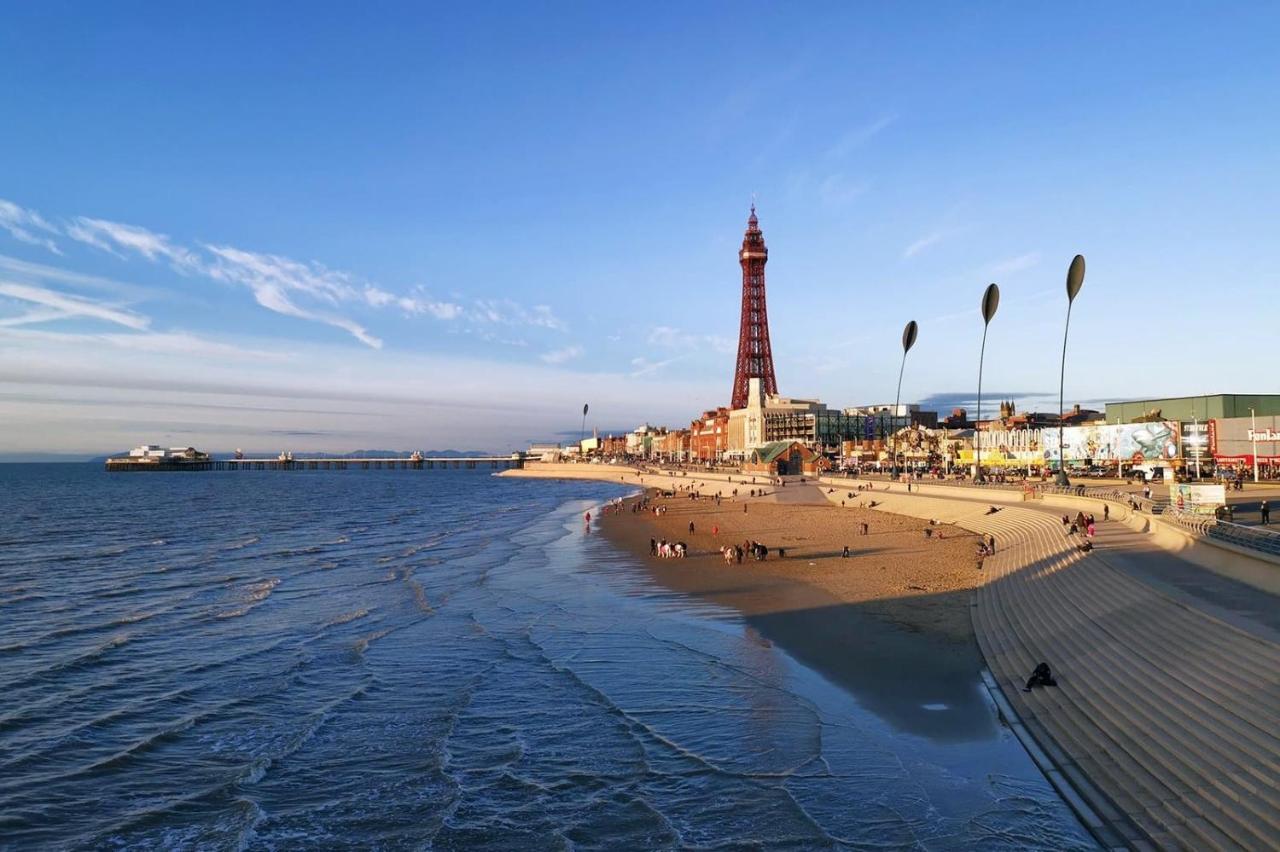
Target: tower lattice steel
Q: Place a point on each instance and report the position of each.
(755, 356)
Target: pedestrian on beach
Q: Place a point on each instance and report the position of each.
(991, 543)
(1106, 511)
(691, 528)
(715, 529)
(653, 547)
(865, 528)
(844, 554)
(1265, 511)
(739, 554)
(744, 508)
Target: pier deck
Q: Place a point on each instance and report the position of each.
(446, 463)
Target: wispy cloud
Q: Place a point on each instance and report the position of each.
(304, 290)
(674, 338)
(507, 312)
(27, 226)
(927, 241)
(63, 305)
(859, 136)
(1012, 265)
(561, 356)
(275, 280)
(643, 366)
(115, 237)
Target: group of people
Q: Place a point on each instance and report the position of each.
(664, 549)
(1083, 523)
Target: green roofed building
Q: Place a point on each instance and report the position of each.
(1190, 408)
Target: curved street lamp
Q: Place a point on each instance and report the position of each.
(1075, 280)
(908, 340)
(990, 301)
(582, 435)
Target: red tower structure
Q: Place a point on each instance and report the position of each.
(755, 356)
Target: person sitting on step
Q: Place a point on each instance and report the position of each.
(1040, 676)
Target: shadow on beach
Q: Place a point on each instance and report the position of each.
(906, 652)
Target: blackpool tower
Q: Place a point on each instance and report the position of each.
(755, 357)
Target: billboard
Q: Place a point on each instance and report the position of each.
(1129, 442)
(1197, 499)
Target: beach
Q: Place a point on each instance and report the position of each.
(890, 622)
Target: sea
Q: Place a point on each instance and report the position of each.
(432, 660)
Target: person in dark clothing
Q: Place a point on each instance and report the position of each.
(1106, 512)
(653, 547)
(1041, 676)
(1265, 510)
(991, 543)
(845, 553)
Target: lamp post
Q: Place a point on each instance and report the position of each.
(1253, 430)
(582, 434)
(908, 340)
(1075, 280)
(990, 301)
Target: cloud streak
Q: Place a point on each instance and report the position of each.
(927, 241)
(302, 290)
(561, 356)
(114, 237)
(27, 226)
(859, 136)
(63, 305)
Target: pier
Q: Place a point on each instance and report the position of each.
(132, 465)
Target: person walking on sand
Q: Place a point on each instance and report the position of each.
(715, 530)
(991, 543)
(844, 554)
(1106, 511)
(653, 547)
(1265, 511)
(691, 528)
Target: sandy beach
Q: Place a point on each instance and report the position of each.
(890, 623)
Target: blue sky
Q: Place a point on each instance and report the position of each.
(314, 226)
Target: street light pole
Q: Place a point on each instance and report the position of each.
(1253, 429)
(1195, 427)
(908, 340)
(990, 301)
(1075, 280)
(582, 435)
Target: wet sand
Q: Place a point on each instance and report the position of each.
(890, 623)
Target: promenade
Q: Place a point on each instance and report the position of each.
(1167, 709)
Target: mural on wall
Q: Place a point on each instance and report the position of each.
(1136, 442)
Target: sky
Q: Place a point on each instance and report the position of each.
(316, 226)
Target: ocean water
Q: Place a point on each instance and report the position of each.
(427, 660)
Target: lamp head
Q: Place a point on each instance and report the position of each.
(1075, 278)
(909, 336)
(990, 301)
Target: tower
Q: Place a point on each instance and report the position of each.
(755, 356)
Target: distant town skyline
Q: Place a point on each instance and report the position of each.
(446, 228)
